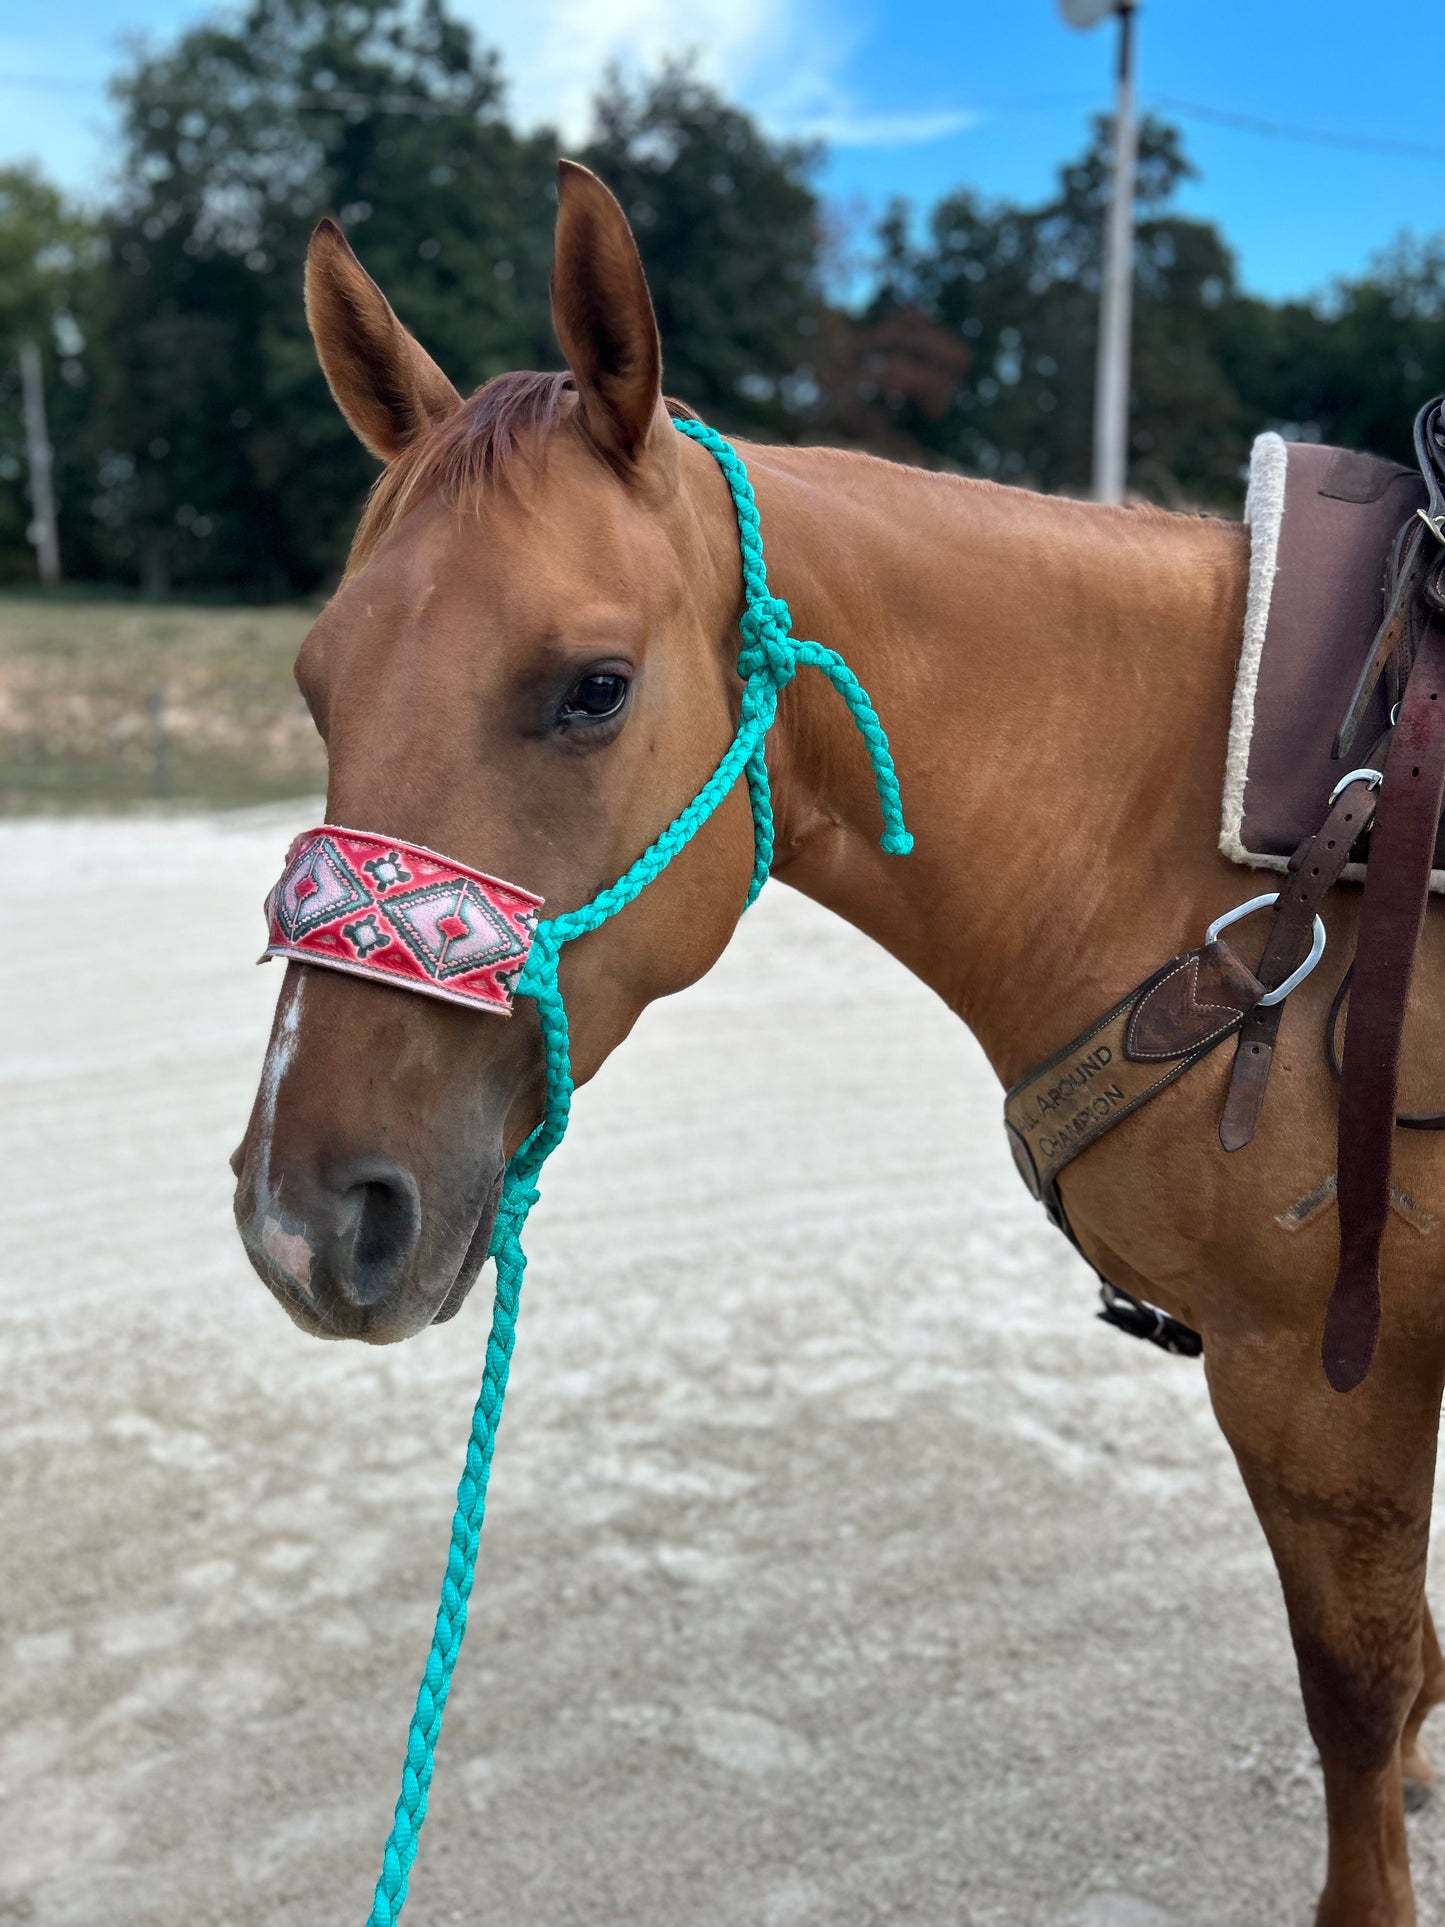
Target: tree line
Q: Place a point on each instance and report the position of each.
(196, 448)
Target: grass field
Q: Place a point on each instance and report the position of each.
(109, 704)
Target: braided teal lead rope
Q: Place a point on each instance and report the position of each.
(767, 662)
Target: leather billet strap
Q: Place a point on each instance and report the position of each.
(1313, 872)
(1140, 1047)
(379, 908)
(1392, 916)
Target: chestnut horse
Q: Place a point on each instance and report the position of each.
(531, 666)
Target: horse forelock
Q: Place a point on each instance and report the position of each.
(480, 444)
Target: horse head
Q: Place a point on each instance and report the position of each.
(530, 665)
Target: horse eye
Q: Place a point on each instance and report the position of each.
(594, 698)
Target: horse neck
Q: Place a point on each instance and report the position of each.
(1055, 679)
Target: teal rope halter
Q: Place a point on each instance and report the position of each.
(767, 662)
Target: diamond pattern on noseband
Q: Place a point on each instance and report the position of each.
(453, 928)
(318, 887)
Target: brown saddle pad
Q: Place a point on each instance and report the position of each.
(1322, 522)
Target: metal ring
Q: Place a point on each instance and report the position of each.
(1394, 715)
(1295, 977)
(1376, 778)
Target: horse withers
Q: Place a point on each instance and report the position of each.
(531, 666)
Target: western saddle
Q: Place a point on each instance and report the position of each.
(1387, 805)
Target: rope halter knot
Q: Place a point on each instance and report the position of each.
(769, 649)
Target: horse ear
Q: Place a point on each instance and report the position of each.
(603, 316)
(385, 383)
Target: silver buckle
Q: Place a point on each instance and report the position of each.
(1296, 977)
(1353, 776)
(1435, 524)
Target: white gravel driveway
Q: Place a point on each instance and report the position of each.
(840, 1570)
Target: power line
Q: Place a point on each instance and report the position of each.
(343, 101)
(1306, 136)
(50, 84)
(340, 100)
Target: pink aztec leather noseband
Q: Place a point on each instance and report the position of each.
(367, 904)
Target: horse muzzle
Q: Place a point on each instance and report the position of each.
(344, 1247)
(372, 1168)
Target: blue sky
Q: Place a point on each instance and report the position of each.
(916, 97)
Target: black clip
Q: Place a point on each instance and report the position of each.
(1132, 1315)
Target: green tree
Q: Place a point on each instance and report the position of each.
(1354, 365)
(1020, 286)
(196, 444)
(226, 462)
(231, 464)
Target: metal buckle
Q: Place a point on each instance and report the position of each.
(1435, 524)
(1353, 776)
(1296, 977)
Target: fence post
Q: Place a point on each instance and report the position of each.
(160, 745)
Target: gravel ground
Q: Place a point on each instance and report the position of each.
(840, 1569)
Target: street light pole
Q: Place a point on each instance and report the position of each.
(1116, 292)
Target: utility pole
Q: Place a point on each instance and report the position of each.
(1116, 291)
(44, 532)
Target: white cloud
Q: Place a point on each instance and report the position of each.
(555, 52)
(783, 59)
(847, 129)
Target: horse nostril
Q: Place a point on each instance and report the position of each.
(381, 1207)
